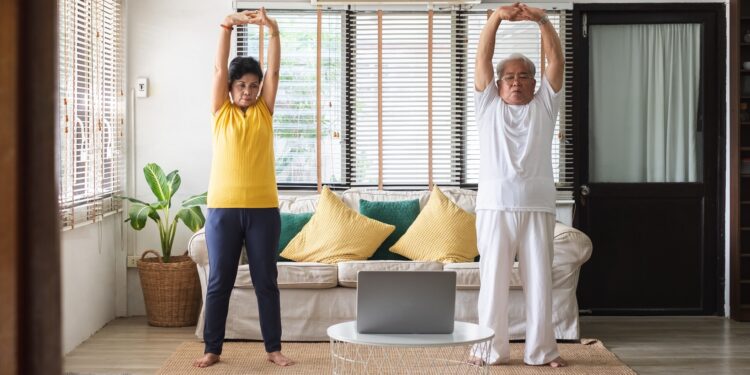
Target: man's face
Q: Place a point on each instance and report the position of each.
(516, 83)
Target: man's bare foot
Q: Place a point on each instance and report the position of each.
(557, 362)
(208, 359)
(475, 361)
(279, 359)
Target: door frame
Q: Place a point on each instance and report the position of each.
(30, 271)
(712, 107)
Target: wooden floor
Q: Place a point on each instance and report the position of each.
(650, 345)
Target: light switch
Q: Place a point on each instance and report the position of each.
(141, 87)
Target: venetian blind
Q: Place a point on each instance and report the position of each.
(404, 99)
(91, 109)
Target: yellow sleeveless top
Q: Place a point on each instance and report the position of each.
(242, 169)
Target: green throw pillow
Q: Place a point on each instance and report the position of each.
(398, 213)
(291, 224)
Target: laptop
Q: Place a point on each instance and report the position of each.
(406, 302)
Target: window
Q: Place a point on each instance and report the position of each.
(91, 109)
(396, 113)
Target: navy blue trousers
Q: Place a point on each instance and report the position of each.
(226, 231)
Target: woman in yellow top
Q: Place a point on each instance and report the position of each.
(242, 196)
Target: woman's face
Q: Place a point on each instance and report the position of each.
(245, 90)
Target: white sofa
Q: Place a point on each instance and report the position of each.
(315, 296)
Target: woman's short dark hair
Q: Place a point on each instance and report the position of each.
(244, 65)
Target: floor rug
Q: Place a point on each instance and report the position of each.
(588, 357)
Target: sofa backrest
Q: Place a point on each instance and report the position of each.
(352, 196)
(466, 199)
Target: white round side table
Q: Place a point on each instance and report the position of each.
(465, 351)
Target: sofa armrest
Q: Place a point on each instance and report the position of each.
(571, 247)
(197, 248)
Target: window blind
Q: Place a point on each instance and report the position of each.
(403, 104)
(91, 109)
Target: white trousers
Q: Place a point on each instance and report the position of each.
(502, 234)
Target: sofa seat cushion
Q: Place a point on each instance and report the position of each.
(467, 275)
(295, 275)
(348, 270)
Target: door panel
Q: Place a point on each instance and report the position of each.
(647, 248)
(646, 166)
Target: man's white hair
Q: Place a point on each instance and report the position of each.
(515, 57)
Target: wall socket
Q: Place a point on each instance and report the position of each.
(132, 261)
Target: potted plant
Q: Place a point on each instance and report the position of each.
(170, 284)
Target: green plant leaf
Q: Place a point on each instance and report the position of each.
(192, 217)
(195, 200)
(131, 200)
(138, 213)
(173, 183)
(159, 205)
(164, 187)
(157, 181)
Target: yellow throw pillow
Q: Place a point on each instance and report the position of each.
(442, 232)
(336, 233)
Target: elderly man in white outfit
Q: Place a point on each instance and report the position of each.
(516, 199)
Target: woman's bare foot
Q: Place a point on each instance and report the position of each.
(557, 362)
(208, 359)
(279, 359)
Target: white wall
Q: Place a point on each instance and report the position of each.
(88, 278)
(172, 43)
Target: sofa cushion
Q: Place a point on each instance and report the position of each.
(467, 275)
(295, 275)
(400, 214)
(291, 224)
(336, 233)
(348, 270)
(442, 232)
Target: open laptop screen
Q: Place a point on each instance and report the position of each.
(406, 301)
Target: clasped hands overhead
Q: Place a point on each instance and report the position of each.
(520, 12)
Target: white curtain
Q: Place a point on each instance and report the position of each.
(643, 103)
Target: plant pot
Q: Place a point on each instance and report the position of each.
(171, 290)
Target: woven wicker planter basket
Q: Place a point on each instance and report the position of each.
(171, 290)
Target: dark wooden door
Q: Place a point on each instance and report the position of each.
(656, 249)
